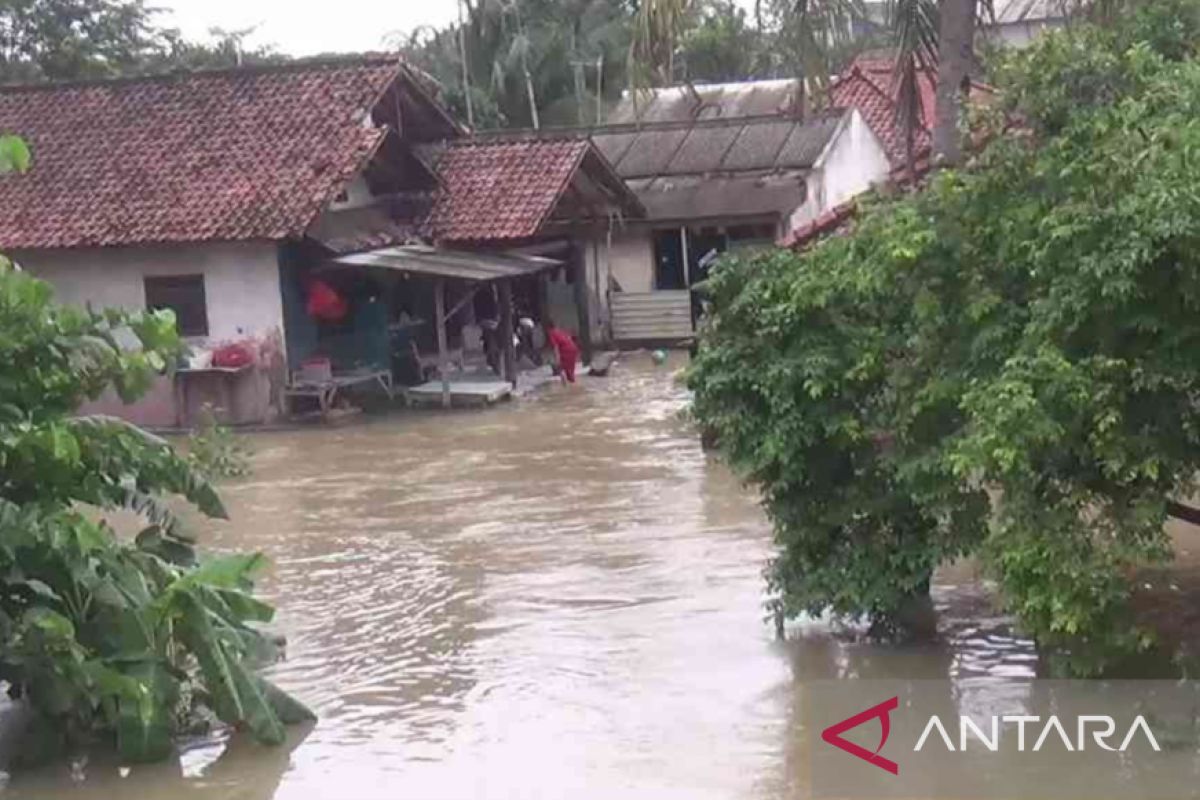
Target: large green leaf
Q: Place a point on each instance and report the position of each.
(14, 154)
(289, 710)
(228, 572)
(144, 716)
(258, 712)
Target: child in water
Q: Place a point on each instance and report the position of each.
(565, 347)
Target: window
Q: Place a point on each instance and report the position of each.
(183, 294)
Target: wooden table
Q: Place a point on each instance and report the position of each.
(325, 391)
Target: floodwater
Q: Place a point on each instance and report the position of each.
(558, 597)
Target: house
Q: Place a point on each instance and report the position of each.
(1012, 23)
(1018, 22)
(718, 167)
(868, 85)
(226, 196)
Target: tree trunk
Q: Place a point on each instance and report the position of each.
(956, 47)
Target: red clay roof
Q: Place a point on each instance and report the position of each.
(868, 85)
(498, 190)
(245, 154)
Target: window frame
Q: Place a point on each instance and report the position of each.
(169, 291)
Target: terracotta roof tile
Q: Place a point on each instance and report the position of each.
(868, 85)
(501, 190)
(238, 154)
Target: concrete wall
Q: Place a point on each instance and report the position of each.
(241, 285)
(851, 163)
(560, 293)
(357, 195)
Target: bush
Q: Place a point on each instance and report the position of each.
(1003, 364)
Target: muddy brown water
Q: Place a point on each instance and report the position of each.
(558, 597)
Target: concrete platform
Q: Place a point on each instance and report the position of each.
(464, 391)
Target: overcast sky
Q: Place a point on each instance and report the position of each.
(304, 27)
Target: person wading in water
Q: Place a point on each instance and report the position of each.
(564, 347)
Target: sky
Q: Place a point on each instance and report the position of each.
(306, 27)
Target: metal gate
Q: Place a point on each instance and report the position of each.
(652, 316)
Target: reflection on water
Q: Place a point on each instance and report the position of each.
(557, 597)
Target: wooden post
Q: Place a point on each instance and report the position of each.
(582, 307)
(439, 304)
(506, 332)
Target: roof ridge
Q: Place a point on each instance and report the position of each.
(475, 139)
(587, 131)
(313, 63)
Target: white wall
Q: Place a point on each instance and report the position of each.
(853, 161)
(241, 287)
(241, 280)
(358, 194)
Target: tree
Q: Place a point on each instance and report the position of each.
(797, 38)
(44, 40)
(956, 55)
(1001, 365)
(223, 49)
(128, 640)
(555, 56)
(720, 46)
(62, 39)
(934, 37)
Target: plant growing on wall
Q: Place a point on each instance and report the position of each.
(103, 638)
(1003, 364)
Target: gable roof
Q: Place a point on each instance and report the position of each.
(706, 101)
(251, 153)
(507, 189)
(868, 85)
(717, 146)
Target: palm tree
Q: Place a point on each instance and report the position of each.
(934, 36)
(803, 33)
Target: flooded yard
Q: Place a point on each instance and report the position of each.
(558, 597)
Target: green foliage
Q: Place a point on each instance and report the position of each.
(78, 39)
(127, 641)
(215, 451)
(720, 45)
(1003, 364)
(14, 154)
(59, 39)
(561, 41)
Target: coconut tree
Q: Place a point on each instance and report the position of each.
(934, 36)
(802, 34)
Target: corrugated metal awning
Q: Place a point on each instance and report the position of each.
(462, 264)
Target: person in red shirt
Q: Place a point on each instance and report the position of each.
(565, 347)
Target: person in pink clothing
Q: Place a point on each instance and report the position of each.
(565, 347)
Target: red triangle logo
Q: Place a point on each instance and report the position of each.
(833, 734)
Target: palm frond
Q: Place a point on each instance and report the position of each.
(914, 26)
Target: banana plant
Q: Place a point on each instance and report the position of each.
(107, 638)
